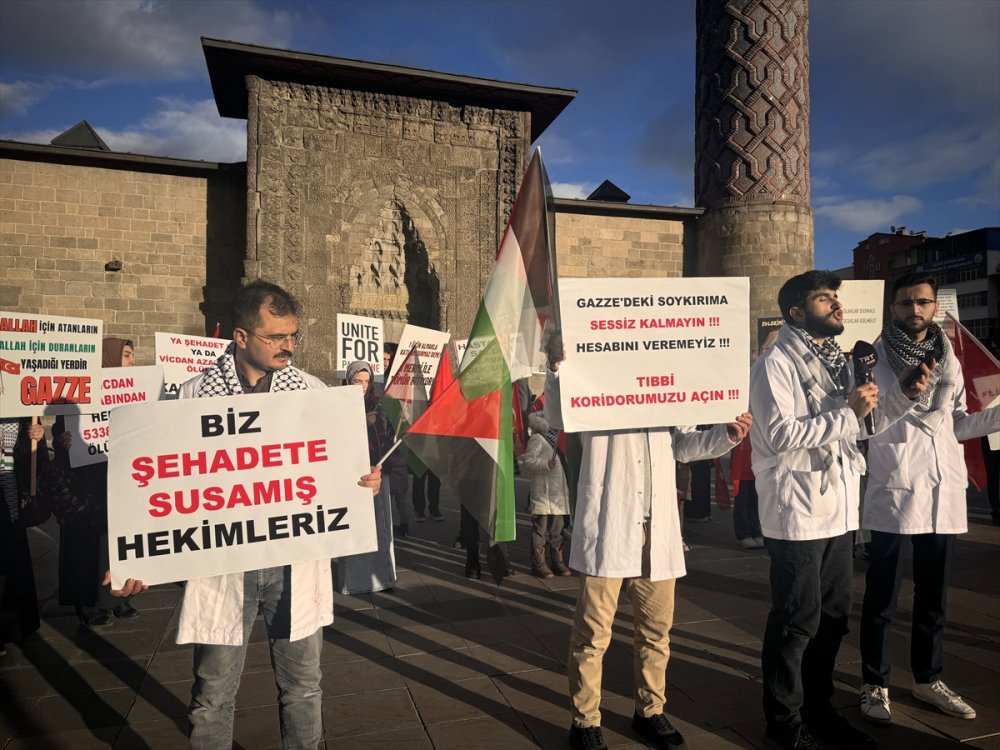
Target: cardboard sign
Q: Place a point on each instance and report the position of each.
(204, 486)
(182, 357)
(654, 352)
(863, 311)
(119, 385)
(49, 365)
(360, 339)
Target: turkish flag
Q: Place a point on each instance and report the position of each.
(13, 368)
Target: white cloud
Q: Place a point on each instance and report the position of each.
(938, 156)
(571, 190)
(18, 97)
(865, 215)
(179, 129)
(132, 39)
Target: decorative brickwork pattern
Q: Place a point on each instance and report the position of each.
(377, 204)
(752, 102)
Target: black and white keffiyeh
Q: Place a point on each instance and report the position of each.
(221, 378)
(902, 352)
(822, 372)
(9, 429)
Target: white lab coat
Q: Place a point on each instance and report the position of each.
(212, 608)
(917, 481)
(788, 473)
(608, 523)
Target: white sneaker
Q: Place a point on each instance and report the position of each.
(944, 699)
(874, 704)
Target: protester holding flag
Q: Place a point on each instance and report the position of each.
(18, 597)
(372, 571)
(916, 494)
(83, 526)
(626, 526)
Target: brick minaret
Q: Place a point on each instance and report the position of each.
(752, 145)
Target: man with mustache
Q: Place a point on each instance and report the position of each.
(916, 494)
(808, 414)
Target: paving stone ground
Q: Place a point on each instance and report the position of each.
(448, 663)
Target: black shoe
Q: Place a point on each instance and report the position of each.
(125, 612)
(101, 620)
(586, 738)
(788, 736)
(832, 728)
(658, 731)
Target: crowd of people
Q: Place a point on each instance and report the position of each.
(798, 494)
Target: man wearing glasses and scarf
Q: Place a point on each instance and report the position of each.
(296, 600)
(916, 494)
(808, 414)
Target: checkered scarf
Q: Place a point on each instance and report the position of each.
(9, 429)
(822, 372)
(902, 352)
(220, 379)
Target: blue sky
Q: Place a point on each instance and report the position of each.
(905, 93)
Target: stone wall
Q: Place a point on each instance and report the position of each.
(179, 238)
(598, 245)
(377, 204)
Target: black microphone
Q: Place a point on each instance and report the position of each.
(865, 357)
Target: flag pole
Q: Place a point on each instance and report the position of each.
(389, 452)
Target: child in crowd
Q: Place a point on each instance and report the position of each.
(549, 504)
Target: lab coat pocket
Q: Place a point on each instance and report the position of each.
(889, 466)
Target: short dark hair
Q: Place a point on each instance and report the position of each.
(914, 278)
(794, 292)
(249, 299)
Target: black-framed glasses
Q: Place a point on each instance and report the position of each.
(907, 303)
(277, 339)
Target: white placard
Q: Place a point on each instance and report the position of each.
(863, 303)
(429, 343)
(460, 346)
(359, 338)
(947, 303)
(205, 486)
(654, 352)
(49, 365)
(119, 385)
(182, 357)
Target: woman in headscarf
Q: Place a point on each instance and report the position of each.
(83, 538)
(371, 571)
(18, 598)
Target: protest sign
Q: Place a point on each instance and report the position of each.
(49, 365)
(947, 304)
(767, 331)
(654, 352)
(429, 343)
(359, 338)
(182, 357)
(863, 307)
(460, 346)
(204, 486)
(119, 385)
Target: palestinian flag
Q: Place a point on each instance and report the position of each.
(466, 434)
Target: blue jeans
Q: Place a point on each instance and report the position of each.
(217, 671)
